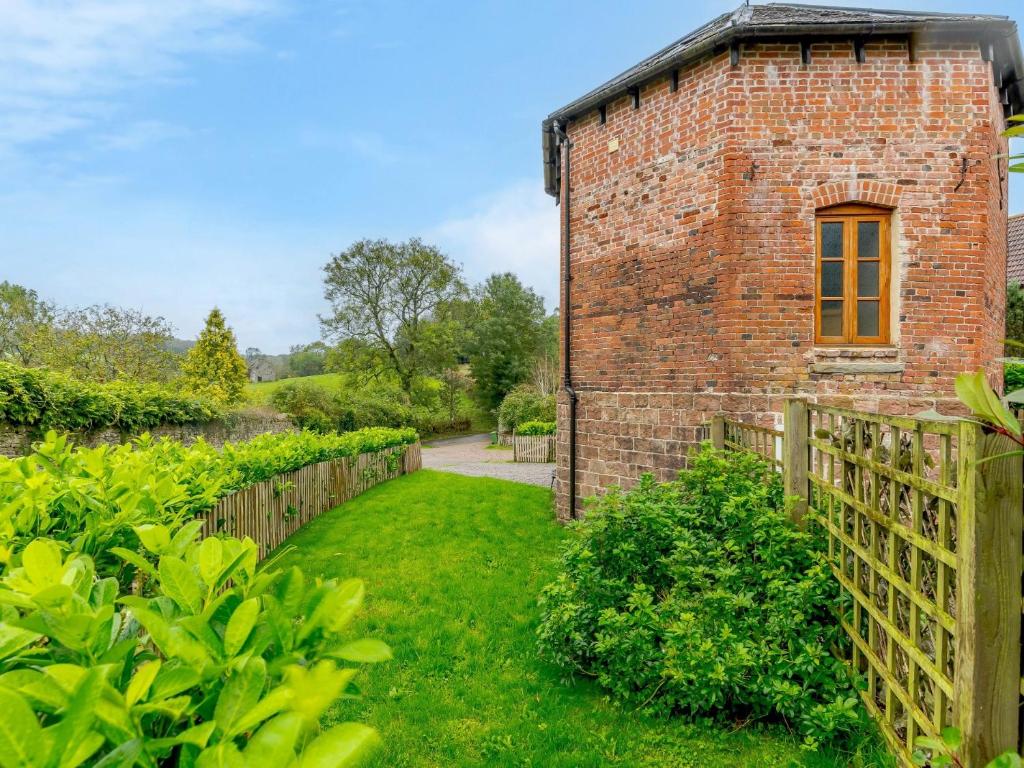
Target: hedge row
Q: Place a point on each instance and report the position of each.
(94, 498)
(529, 428)
(36, 397)
(126, 640)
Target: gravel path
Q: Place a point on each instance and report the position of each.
(470, 456)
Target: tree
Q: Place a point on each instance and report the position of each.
(382, 295)
(453, 384)
(213, 367)
(545, 367)
(107, 343)
(507, 338)
(1014, 320)
(24, 320)
(307, 359)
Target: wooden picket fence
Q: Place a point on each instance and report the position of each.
(269, 512)
(533, 448)
(923, 521)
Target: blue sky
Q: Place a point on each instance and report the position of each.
(175, 155)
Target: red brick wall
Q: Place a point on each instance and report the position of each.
(693, 242)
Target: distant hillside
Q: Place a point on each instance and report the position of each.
(181, 346)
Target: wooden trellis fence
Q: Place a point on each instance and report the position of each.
(923, 521)
(270, 511)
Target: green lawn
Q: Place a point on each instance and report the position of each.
(452, 567)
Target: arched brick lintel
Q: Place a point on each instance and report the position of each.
(867, 191)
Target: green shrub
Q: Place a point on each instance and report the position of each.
(524, 404)
(93, 499)
(700, 597)
(537, 428)
(42, 399)
(1013, 377)
(311, 406)
(218, 665)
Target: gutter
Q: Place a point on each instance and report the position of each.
(565, 145)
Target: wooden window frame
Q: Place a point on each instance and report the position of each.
(851, 215)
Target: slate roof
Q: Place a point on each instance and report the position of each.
(1015, 250)
(786, 20)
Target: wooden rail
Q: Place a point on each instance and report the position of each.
(269, 512)
(923, 521)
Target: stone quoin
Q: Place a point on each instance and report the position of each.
(792, 200)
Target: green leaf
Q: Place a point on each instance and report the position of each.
(42, 692)
(240, 694)
(364, 651)
(76, 721)
(342, 746)
(180, 583)
(123, 756)
(141, 681)
(20, 733)
(274, 744)
(185, 536)
(134, 558)
(274, 702)
(42, 562)
(951, 738)
(1006, 760)
(14, 639)
(155, 538)
(223, 755)
(240, 625)
(211, 557)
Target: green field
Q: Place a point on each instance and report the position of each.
(453, 566)
(260, 393)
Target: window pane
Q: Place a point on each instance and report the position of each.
(831, 318)
(867, 239)
(867, 318)
(867, 278)
(831, 278)
(831, 239)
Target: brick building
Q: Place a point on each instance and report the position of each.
(789, 200)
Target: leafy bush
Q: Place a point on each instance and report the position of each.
(537, 428)
(36, 397)
(219, 665)
(1013, 377)
(701, 597)
(94, 499)
(311, 406)
(522, 404)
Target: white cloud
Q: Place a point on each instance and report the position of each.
(513, 230)
(63, 61)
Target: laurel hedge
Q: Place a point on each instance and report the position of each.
(43, 399)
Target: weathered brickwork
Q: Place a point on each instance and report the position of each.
(693, 246)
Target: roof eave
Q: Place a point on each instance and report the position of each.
(617, 87)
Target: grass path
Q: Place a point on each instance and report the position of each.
(452, 567)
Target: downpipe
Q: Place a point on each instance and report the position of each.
(566, 146)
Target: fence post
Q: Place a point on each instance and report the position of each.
(986, 684)
(795, 456)
(718, 431)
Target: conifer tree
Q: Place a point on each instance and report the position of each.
(213, 367)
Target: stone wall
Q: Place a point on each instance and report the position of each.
(17, 441)
(693, 242)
